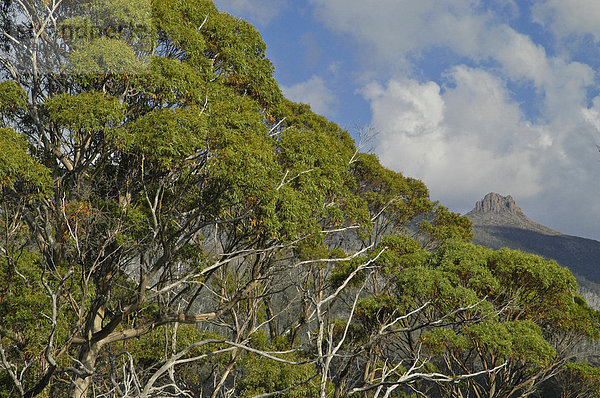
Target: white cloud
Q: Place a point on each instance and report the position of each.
(260, 11)
(314, 92)
(504, 8)
(566, 17)
(400, 30)
(469, 138)
(468, 134)
(592, 114)
(461, 141)
(394, 29)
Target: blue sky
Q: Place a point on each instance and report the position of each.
(470, 96)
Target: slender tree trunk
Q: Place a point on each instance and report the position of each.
(80, 387)
(234, 356)
(88, 354)
(273, 328)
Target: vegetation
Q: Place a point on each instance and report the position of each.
(170, 225)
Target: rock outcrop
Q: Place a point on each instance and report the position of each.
(497, 210)
(497, 203)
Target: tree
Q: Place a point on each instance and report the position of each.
(577, 380)
(172, 226)
(460, 321)
(147, 152)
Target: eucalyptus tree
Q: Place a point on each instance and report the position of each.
(171, 225)
(461, 321)
(146, 182)
(169, 199)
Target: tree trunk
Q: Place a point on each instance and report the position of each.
(234, 356)
(88, 354)
(80, 386)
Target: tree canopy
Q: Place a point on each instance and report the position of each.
(171, 225)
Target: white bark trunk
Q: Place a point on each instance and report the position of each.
(88, 354)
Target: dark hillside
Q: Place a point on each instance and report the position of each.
(580, 255)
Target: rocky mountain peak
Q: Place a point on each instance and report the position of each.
(502, 211)
(496, 203)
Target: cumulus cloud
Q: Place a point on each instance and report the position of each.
(567, 17)
(592, 114)
(560, 83)
(400, 30)
(469, 138)
(463, 140)
(313, 92)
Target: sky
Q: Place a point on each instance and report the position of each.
(470, 96)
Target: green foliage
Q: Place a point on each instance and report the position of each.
(447, 225)
(395, 253)
(164, 136)
(172, 81)
(383, 189)
(580, 379)
(108, 37)
(518, 270)
(25, 310)
(232, 48)
(469, 263)
(20, 172)
(153, 347)
(301, 117)
(317, 161)
(477, 307)
(436, 286)
(373, 311)
(401, 252)
(263, 375)
(521, 341)
(438, 341)
(528, 344)
(124, 12)
(105, 56)
(22, 300)
(544, 291)
(13, 98)
(86, 113)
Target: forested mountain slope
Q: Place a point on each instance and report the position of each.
(172, 226)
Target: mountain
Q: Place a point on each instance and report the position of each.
(501, 211)
(499, 222)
